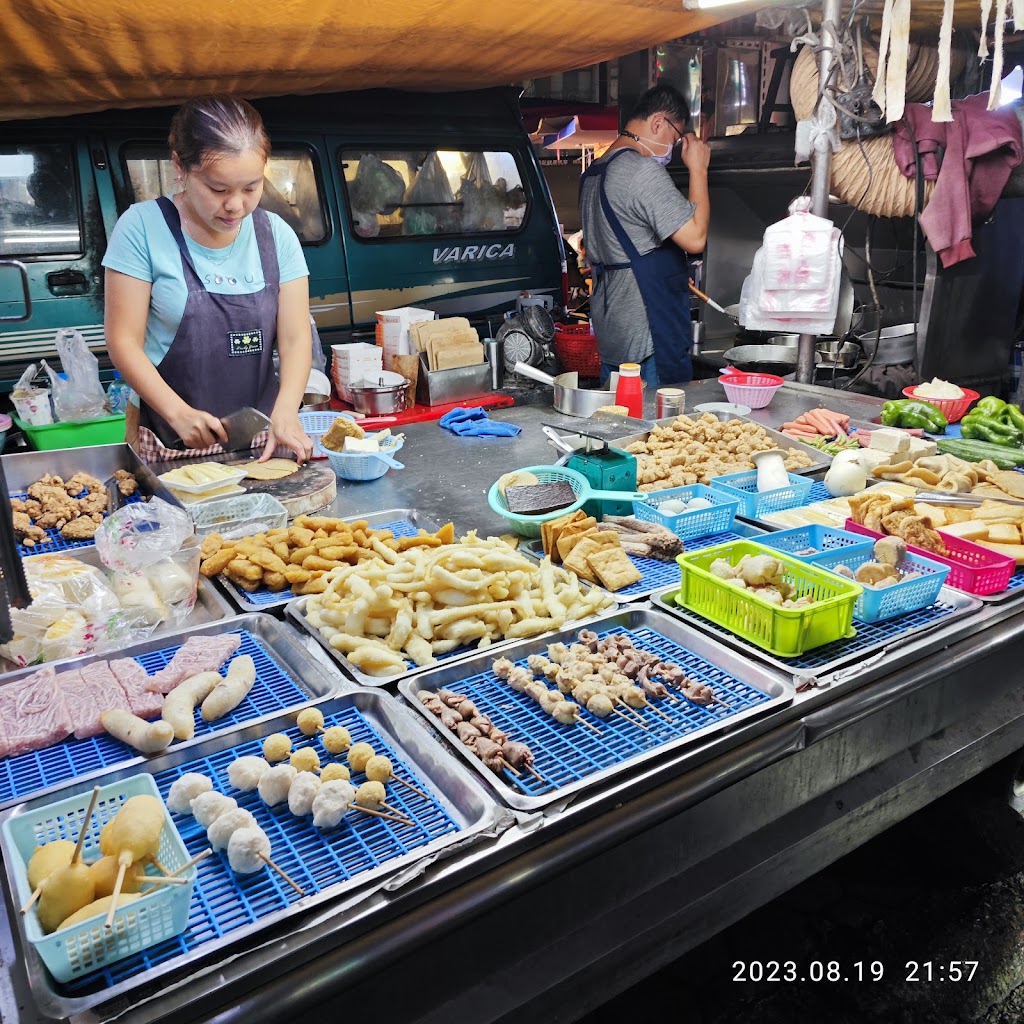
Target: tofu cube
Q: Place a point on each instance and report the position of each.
(888, 439)
(1003, 533)
(361, 445)
(921, 449)
(871, 458)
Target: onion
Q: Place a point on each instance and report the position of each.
(845, 476)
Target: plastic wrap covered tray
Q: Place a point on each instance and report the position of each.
(286, 676)
(226, 907)
(569, 758)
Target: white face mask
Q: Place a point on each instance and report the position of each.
(665, 158)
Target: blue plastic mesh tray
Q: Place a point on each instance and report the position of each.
(224, 902)
(56, 542)
(657, 574)
(870, 635)
(41, 769)
(564, 754)
(260, 600)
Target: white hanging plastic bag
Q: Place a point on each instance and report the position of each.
(81, 395)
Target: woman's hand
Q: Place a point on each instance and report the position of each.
(198, 429)
(286, 431)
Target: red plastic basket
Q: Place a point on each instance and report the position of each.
(576, 348)
(971, 567)
(954, 409)
(753, 389)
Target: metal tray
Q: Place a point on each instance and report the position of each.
(730, 673)
(271, 601)
(878, 649)
(819, 460)
(657, 574)
(289, 678)
(459, 808)
(1014, 590)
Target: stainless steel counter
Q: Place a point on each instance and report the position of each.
(572, 905)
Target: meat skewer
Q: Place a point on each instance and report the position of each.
(453, 700)
(488, 750)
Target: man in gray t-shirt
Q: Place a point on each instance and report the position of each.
(640, 306)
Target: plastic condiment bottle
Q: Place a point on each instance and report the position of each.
(628, 391)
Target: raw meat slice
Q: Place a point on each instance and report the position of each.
(134, 681)
(197, 654)
(88, 692)
(33, 713)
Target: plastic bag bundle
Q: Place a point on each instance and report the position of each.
(377, 188)
(81, 395)
(74, 611)
(430, 203)
(483, 205)
(794, 281)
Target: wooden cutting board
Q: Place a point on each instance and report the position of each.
(309, 490)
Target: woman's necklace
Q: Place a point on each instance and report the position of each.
(215, 261)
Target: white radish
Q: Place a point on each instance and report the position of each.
(145, 737)
(231, 690)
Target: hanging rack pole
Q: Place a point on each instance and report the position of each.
(821, 165)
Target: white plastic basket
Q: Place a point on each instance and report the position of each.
(239, 516)
(316, 424)
(362, 465)
(158, 915)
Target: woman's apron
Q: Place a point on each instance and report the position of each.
(662, 276)
(221, 358)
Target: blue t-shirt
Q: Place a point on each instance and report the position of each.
(143, 247)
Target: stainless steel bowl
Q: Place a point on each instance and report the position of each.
(836, 353)
(379, 401)
(313, 402)
(785, 340)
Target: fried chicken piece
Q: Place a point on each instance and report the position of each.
(918, 532)
(93, 502)
(19, 505)
(28, 534)
(83, 482)
(126, 482)
(33, 508)
(44, 483)
(82, 528)
(57, 509)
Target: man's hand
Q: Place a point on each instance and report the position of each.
(696, 154)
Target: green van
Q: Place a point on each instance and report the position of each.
(399, 199)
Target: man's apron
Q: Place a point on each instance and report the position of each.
(222, 356)
(662, 276)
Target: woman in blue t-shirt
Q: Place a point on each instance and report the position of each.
(200, 288)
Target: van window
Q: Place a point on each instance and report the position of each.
(289, 185)
(39, 212)
(403, 193)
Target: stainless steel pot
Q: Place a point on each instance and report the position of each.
(897, 344)
(570, 399)
(378, 401)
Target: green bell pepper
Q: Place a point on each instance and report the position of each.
(1013, 417)
(979, 427)
(913, 414)
(991, 406)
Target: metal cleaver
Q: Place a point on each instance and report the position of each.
(242, 426)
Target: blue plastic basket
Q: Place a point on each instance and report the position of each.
(687, 525)
(754, 503)
(362, 465)
(829, 546)
(876, 604)
(156, 916)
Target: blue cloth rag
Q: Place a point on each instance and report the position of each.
(475, 423)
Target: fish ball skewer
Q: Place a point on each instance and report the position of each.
(219, 833)
(244, 773)
(334, 772)
(310, 721)
(305, 760)
(380, 769)
(249, 850)
(302, 792)
(336, 739)
(185, 790)
(331, 802)
(208, 806)
(277, 747)
(134, 834)
(359, 755)
(274, 786)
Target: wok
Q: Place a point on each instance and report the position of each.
(779, 359)
(570, 399)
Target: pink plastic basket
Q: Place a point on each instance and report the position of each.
(954, 409)
(971, 567)
(752, 389)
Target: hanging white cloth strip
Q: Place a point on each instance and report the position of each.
(997, 57)
(896, 67)
(986, 13)
(878, 93)
(941, 110)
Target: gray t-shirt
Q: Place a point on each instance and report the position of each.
(651, 209)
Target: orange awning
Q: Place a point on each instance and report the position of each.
(63, 57)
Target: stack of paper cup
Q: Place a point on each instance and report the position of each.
(33, 406)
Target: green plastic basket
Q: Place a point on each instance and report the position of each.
(785, 632)
(157, 915)
(87, 434)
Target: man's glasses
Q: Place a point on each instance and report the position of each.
(677, 130)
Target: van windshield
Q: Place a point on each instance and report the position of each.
(402, 193)
(289, 185)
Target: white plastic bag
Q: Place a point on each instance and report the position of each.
(81, 396)
(153, 552)
(797, 250)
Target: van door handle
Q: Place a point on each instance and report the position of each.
(67, 282)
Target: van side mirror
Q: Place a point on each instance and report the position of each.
(8, 269)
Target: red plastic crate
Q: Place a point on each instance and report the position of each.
(971, 567)
(576, 348)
